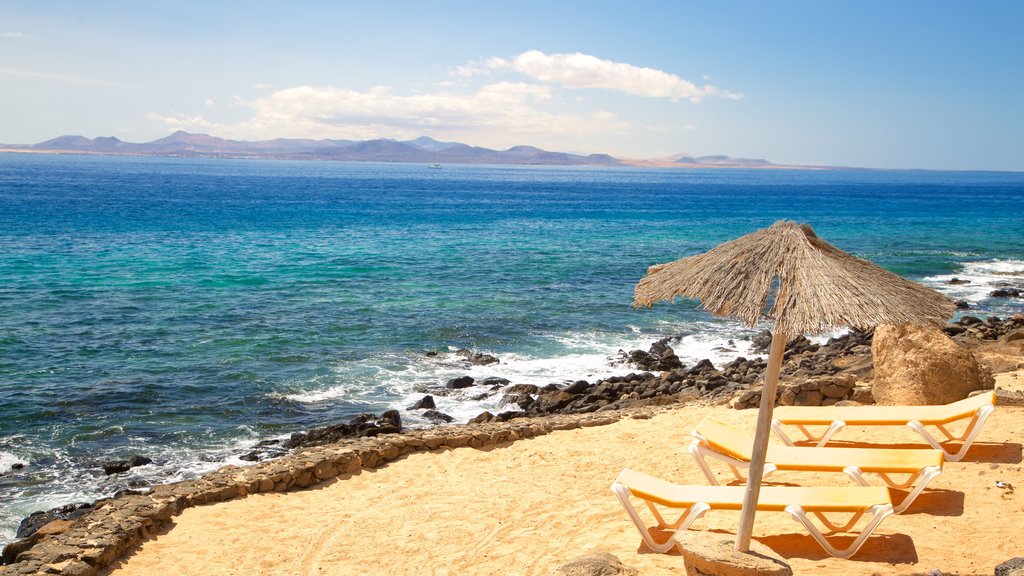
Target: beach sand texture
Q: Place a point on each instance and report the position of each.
(528, 507)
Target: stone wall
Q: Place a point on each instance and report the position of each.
(88, 544)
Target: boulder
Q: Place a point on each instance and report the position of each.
(1005, 293)
(460, 382)
(918, 365)
(1012, 567)
(425, 403)
(436, 416)
(118, 466)
(476, 358)
(762, 342)
(32, 523)
(596, 564)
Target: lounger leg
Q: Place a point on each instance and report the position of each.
(879, 512)
(922, 478)
(692, 513)
(967, 437)
(821, 440)
(698, 456)
(699, 452)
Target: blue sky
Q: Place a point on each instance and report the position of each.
(904, 84)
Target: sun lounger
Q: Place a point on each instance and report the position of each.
(975, 408)
(694, 501)
(723, 442)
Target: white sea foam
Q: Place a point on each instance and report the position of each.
(8, 461)
(983, 277)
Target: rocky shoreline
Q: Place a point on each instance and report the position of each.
(83, 538)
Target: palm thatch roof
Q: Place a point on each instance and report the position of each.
(815, 286)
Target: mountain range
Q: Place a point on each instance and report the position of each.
(422, 149)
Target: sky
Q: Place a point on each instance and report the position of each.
(909, 84)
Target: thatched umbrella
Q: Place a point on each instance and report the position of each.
(785, 273)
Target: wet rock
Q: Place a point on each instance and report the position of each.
(363, 425)
(115, 467)
(425, 403)
(1005, 293)
(477, 358)
(577, 387)
(962, 305)
(660, 357)
(522, 389)
(482, 418)
(37, 520)
(460, 382)
(265, 450)
(762, 342)
(494, 381)
(958, 281)
(436, 416)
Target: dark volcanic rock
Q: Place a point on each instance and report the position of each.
(477, 358)
(425, 403)
(437, 416)
(265, 450)
(577, 387)
(762, 342)
(389, 422)
(37, 520)
(460, 382)
(117, 466)
(494, 381)
(1005, 293)
(660, 357)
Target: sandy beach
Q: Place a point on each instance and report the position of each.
(530, 506)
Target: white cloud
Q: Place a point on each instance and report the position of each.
(262, 86)
(498, 114)
(13, 35)
(184, 122)
(579, 70)
(209, 103)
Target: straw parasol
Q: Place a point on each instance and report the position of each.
(786, 274)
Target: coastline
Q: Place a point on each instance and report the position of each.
(325, 466)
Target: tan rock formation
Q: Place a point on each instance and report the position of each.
(916, 365)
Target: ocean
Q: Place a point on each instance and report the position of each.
(185, 309)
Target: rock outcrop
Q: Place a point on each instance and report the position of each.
(917, 365)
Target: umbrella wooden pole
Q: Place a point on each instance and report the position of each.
(757, 456)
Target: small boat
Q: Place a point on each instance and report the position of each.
(434, 166)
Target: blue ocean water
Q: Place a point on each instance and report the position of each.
(185, 309)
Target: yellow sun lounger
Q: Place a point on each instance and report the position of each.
(976, 408)
(725, 443)
(694, 501)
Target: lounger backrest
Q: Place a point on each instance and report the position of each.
(885, 415)
(725, 439)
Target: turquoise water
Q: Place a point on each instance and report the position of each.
(185, 309)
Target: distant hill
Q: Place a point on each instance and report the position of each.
(423, 150)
